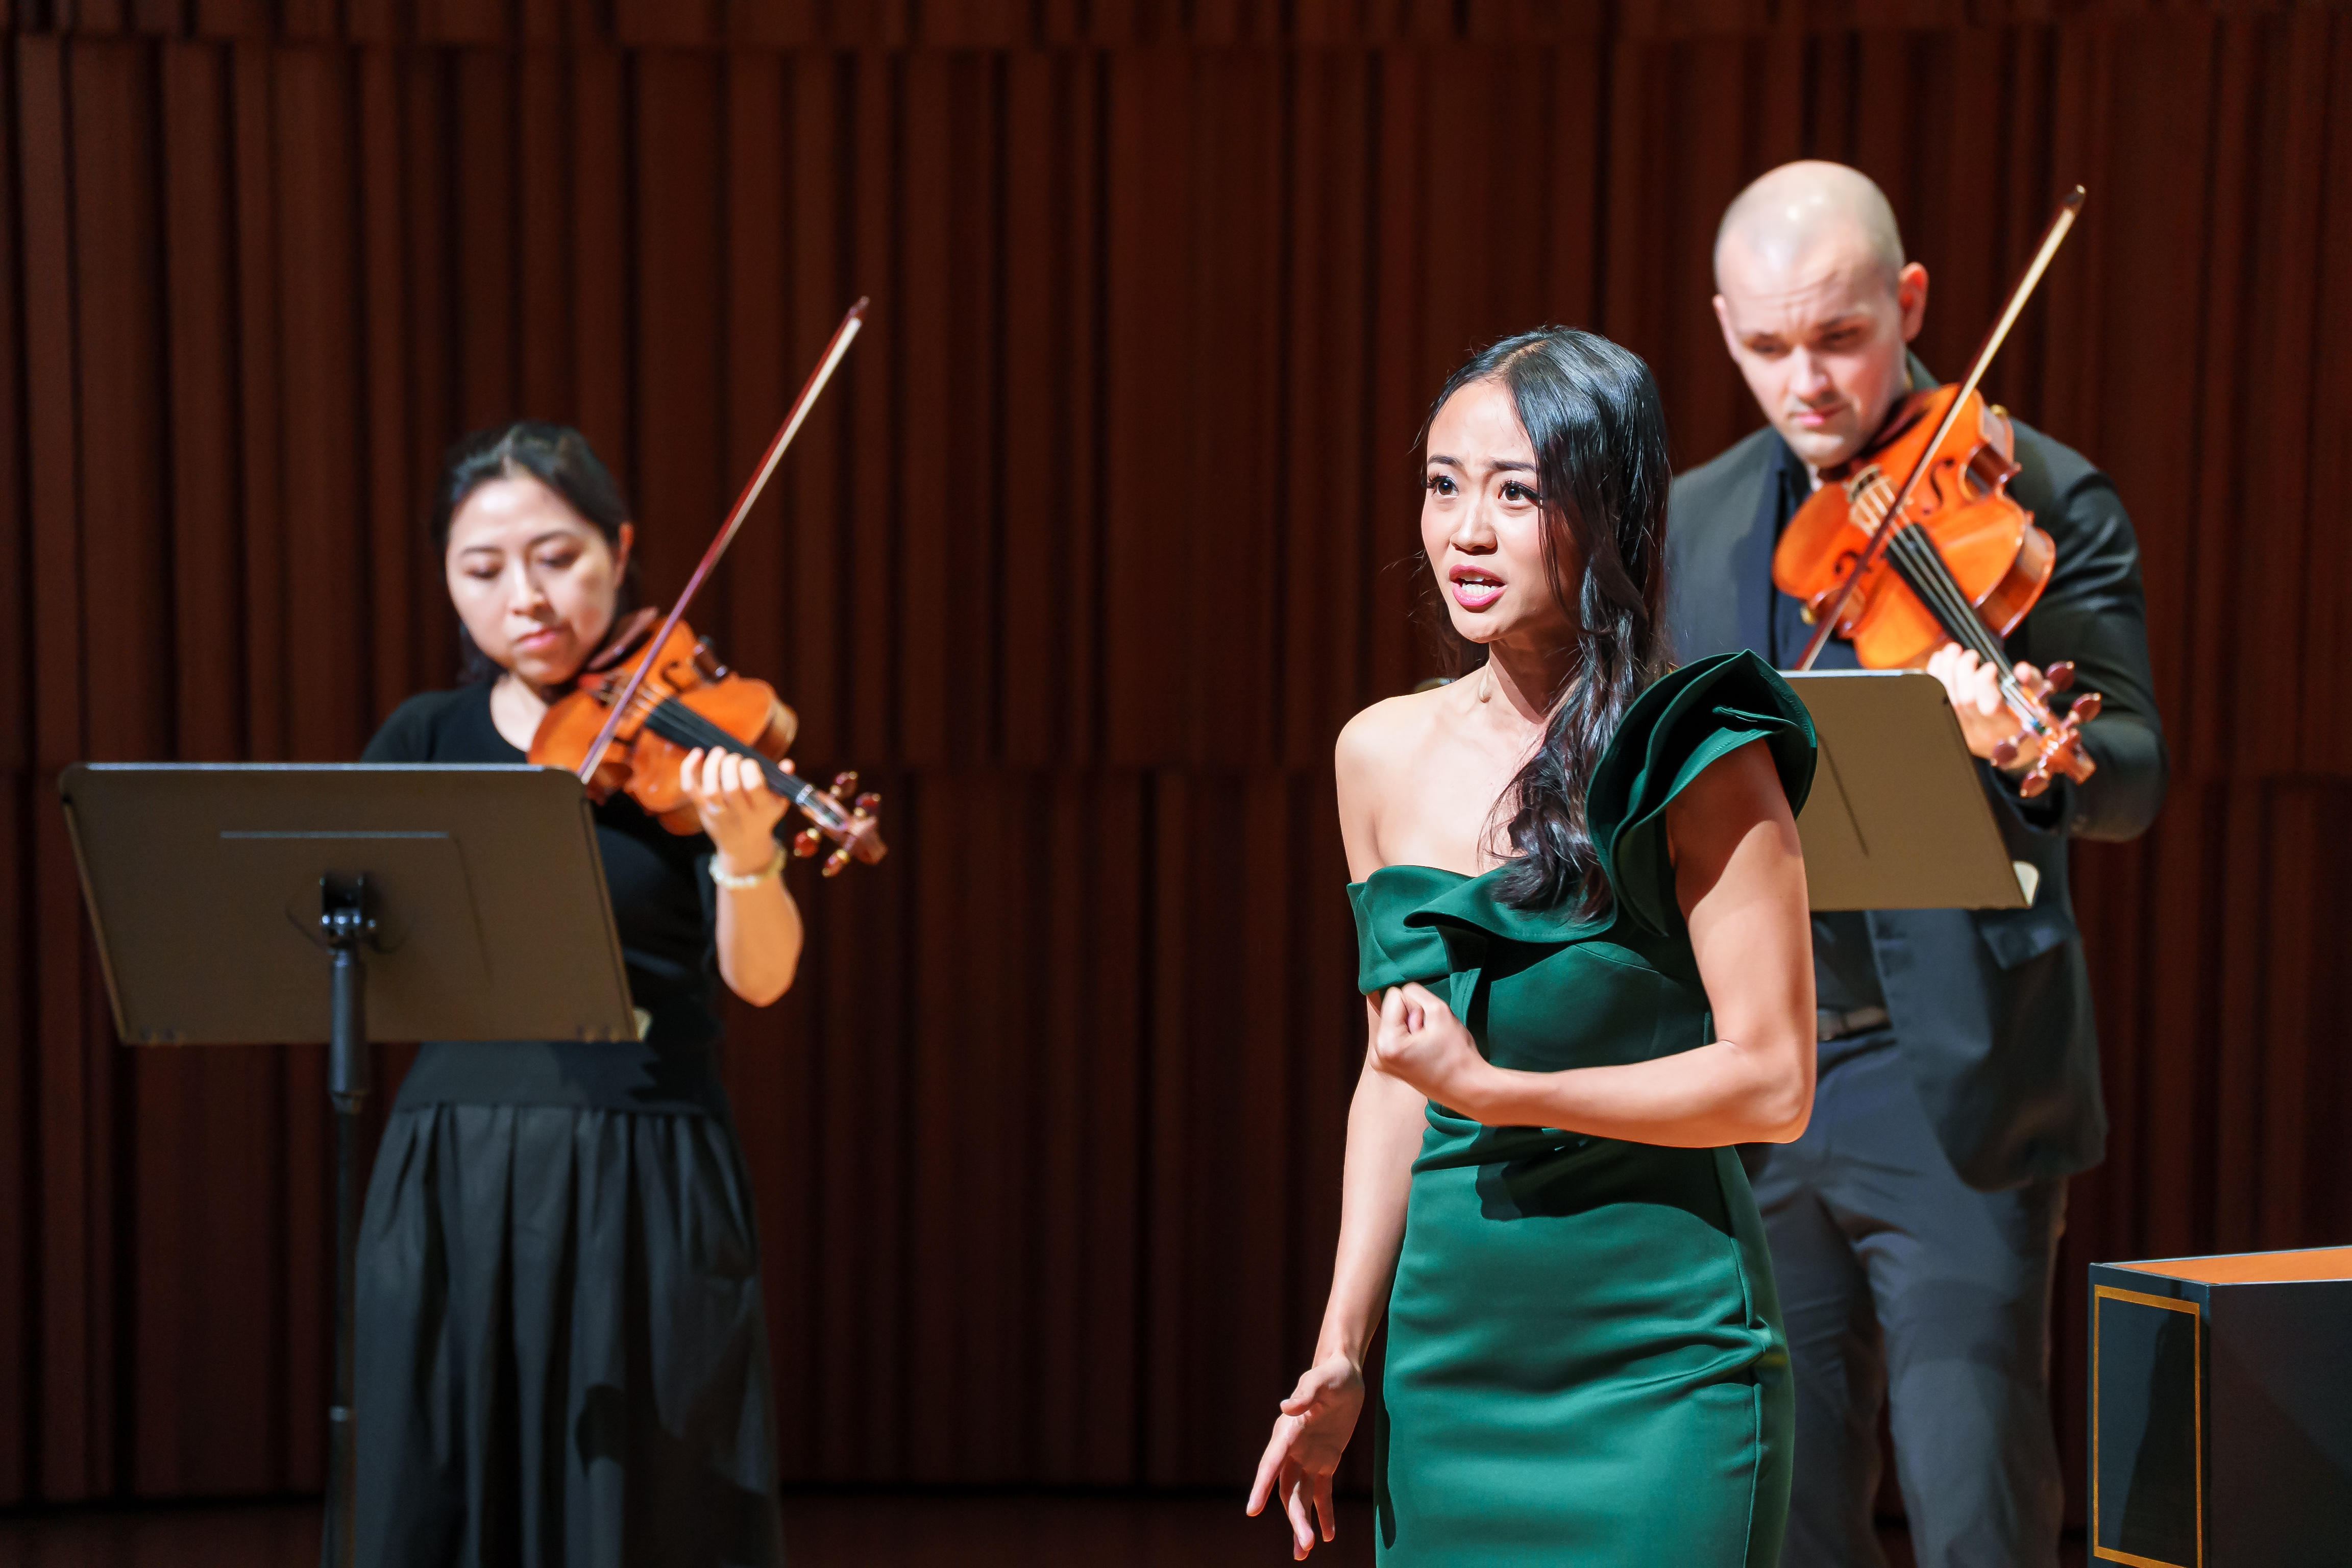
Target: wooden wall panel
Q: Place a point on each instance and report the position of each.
(19, 949)
(61, 1280)
(1103, 534)
(209, 1278)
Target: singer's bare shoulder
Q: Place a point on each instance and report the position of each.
(1380, 766)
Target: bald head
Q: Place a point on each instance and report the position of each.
(1798, 208)
(1816, 303)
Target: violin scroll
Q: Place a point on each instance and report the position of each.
(2061, 734)
(855, 829)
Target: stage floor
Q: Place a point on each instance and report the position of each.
(871, 1530)
(857, 1531)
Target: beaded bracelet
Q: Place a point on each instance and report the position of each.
(774, 868)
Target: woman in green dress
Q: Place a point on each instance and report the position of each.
(1580, 907)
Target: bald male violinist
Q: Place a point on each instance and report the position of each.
(1914, 1226)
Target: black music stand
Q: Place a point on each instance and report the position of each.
(262, 904)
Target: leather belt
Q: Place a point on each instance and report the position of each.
(1833, 1024)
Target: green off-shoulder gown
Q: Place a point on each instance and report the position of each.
(1585, 1360)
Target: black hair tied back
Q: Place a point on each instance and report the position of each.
(556, 455)
(1594, 415)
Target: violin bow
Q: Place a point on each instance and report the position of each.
(842, 336)
(2055, 235)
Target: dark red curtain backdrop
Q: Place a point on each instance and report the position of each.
(1085, 562)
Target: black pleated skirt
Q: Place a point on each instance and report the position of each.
(561, 1347)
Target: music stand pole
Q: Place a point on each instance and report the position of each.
(343, 916)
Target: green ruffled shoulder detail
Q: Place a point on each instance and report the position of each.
(1388, 952)
(1674, 730)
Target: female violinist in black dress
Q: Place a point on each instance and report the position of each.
(562, 1349)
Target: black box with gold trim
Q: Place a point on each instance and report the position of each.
(2222, 1411)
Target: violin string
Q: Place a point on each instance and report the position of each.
(685, 727)
(1921, 564)
(679, 723)
(1913, 554)
(649, 703)
(1930, 577)
(1943, 596)
(1987, 641)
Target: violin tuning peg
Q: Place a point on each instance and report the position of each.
(835, 861)
(2004, 754)
(2060, 675)
(807, 842)
(843, 783)
(2086, 708)
(867, 805)
(2034, 783)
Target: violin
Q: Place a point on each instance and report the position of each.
(1945, 555)
(629, 721)
(1995, 555)
(687, 700)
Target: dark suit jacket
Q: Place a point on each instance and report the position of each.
(1991, 1008)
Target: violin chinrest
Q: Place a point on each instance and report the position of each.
(627, 633)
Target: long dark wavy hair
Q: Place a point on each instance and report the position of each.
(1592, 414)
(557, 456)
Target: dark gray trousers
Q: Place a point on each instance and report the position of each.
(1904, 1286)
